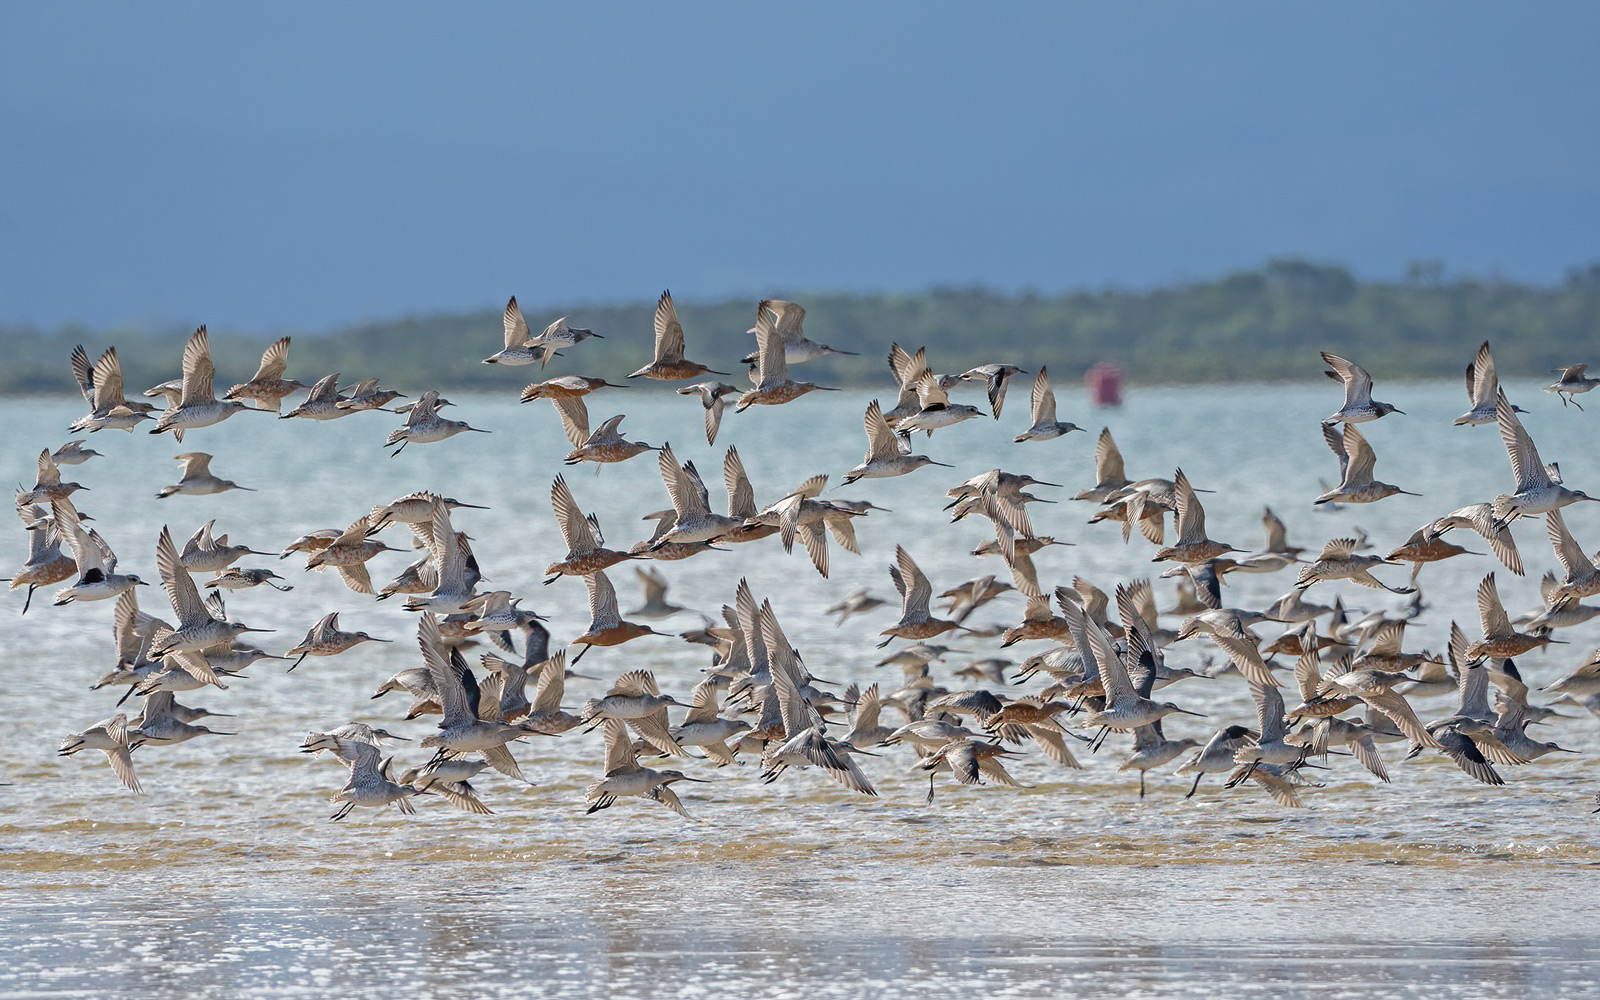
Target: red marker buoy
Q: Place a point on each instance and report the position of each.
(1104, 382)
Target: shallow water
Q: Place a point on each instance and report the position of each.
(227, 877)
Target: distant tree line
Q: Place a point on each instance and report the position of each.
(1262, 324)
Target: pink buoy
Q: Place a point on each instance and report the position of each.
(1104, 382)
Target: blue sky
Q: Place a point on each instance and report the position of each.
(298, 166)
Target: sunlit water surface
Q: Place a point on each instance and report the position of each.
(227, 877)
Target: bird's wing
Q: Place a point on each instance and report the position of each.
(798, 714)
(201, 539)
(489, 692)
(772, 365)
(85, 553)
(907, 368)
(620, 757)
(1269, 711)
(124, 626)
(185, 596)
(552, 685)
(843, 530)
(49, 471)
(813, 536)
(1044, 407)
(196, 464)
(1568, 551)
(198, 370)
(1482, 383)
(359, 755)
(1191, 516)
(83, 374)
(1113, 670)
(1308, 674)
(790, 319)
(516, 328)
(654, 584)
(108, 390)
(714, 410)
(1466, 755)
(1526, 465)
(274, 362)
(1247, 658)
(1366, 754)
(448, 552)
(1360, 458)
(703, 702)
(1333, 437)
(741, 495)
(574, 418)
(326, 390)
(1108, 466)
(669, 332)
(1357, 383)
(575, 528)
(365, 387)
(442, 668)
(356, 533)
(997, 392)
(424, 409)
(881, 442)
(1339, 548)
(667, 797)
(1393, 704)
(685, 498)
(654, 730)
(917, 591)
(1491, 612)
(928, 392)
(1387, 640)
(1054, 746)
(357, 578)
(501, 760)
(1277, 533)
(603, 613)
(1281, 789)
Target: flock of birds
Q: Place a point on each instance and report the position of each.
(1100, 675)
